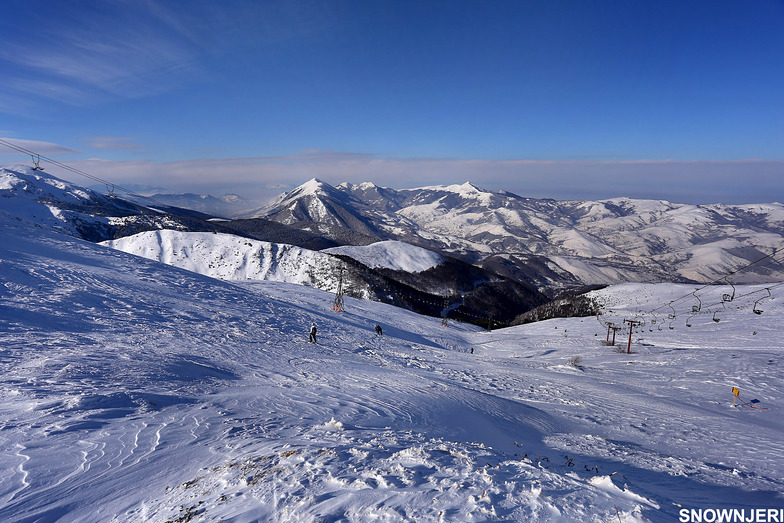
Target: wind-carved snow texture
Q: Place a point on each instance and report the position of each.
(136, 391)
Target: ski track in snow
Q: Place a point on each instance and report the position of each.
(133, 391)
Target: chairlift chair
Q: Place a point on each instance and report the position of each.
(715, 318)
(757, 310)
(37, 163)
(696, 308)
(728, 297)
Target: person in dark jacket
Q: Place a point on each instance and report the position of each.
(312, 338)
(378, 330)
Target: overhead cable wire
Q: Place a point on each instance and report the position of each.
(74, 170)
(772, 255)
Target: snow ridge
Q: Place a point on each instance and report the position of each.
(391, 254)
(226, 256)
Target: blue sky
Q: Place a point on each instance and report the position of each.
(672, 100)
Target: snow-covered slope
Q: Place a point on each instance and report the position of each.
(475, 294)
(229, 257)
(399, 256)
(43, 200)
(136, 391)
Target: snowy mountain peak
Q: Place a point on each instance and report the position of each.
(367, 186)
(363, 186)
(469, 188)
(314, 187)
(465, 189)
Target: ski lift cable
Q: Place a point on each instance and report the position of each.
(777, 255)
(74, 170)
(772, 255)
(712, 309)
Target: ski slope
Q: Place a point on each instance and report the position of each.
(136, 391)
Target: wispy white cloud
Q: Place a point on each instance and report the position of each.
(39, 147)
(137, 49)
(75, 68)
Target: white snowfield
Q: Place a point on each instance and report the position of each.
(136, 391)
(34, 196)
(399, 256)
(230, 257)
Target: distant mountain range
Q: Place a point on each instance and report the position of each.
(547, 243)
(226, 206)
(260, 249)
(474, 254)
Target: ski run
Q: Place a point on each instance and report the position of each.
(137, 391)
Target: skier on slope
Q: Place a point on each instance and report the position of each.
(312, 338)
(378, 330)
